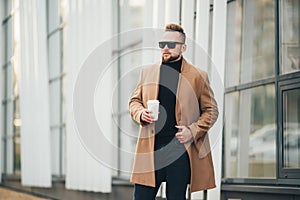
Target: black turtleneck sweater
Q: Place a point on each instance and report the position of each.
(165, 125)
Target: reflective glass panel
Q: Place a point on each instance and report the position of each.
(231, 133)
(290, 36)
(53, 15)
(258, 40)
(54, 53)
(233, 43)
(291, 128)
(250, 133)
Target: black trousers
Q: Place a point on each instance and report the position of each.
(173, 167)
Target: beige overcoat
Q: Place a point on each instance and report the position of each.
(196, 108)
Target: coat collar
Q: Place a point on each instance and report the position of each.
(184, 66)
(156, 73)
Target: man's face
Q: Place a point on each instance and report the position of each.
(172, 54)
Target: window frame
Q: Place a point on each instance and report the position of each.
(283, 86)
(58, 78)
(291, 80)
(10, 98)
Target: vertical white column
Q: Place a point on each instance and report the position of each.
(148, 56)
(159, 13)
(200, 48)
(246, 76)
(187, 20)
(32, 69)
(149, 14)
(202, 34)
(88, 24)
(172, 11)
(244, 128)
(248, 41)
(217, 82)
(9, 89)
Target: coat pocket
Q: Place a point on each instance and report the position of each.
(203, 147)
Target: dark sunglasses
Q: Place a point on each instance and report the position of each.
(170, 45)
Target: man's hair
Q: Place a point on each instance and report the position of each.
(177, 28)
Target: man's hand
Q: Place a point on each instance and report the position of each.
(146, 116)
(184, 134)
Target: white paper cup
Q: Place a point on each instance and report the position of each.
(153, 106)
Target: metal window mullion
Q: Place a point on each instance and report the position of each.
(14, 136)
(5, 109)
(229, 1)
(119, 90)
(180, 12)
(6, 100)
(250, 85)
(6, 64)
(120, 50)
(6, 19)
(57, 126)
(14, 82)
(60, 29)
(57, 30)
(57, 78)
(7, 137)
(278, 142)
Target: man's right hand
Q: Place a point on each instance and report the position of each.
(147, 116)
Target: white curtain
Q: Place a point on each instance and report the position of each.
(32, 70)
(88, 23)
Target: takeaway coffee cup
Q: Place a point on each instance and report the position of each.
(153, 106)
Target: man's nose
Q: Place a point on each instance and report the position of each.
(166, 46)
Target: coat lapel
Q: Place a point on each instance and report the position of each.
(180, 87)
(151, 84)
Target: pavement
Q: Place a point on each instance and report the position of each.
(7, 194)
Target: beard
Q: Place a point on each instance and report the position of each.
(170, 59)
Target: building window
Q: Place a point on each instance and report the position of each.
(289, 90)
(262, 92)
(250, 133)
(250, 97)
(56, 75)
(289, 134)
(291, 127)
(250, 41)
(130, 16)
(258, 40)
(290, 36)
(10, 102)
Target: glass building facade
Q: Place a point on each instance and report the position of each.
(260, 142)
(262, 100)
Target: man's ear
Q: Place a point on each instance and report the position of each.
(183, 48)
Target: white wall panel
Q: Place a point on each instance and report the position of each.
(88, 24)
(202, 34)
(172, 11)
(217, 82)
(32, 70)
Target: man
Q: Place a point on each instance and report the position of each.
(175, 148)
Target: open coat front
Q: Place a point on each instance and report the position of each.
(196, 108)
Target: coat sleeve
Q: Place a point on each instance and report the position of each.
(208, 109)
(136, 106)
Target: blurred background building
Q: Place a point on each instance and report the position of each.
(253, 48)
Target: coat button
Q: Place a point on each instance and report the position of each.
(152, 131)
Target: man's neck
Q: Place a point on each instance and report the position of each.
(173, 61)
(179, 58)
